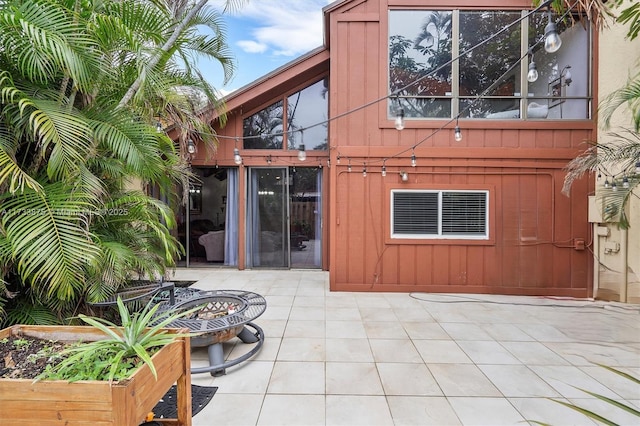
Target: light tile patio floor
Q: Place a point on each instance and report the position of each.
(338, 358)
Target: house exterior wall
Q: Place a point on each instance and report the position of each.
(618, 271)
(537, 235)
(539, 239)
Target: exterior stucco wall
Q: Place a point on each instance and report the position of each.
(619, 271)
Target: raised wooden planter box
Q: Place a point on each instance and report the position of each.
(123, 403)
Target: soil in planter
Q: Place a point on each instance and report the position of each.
(26, 357)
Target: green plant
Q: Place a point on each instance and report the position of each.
(125, 348)
(613, 402)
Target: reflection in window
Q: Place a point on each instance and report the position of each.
(486, 82)
(419, 48)
(263, 130)
(305, 110)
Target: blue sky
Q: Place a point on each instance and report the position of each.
(265, 34)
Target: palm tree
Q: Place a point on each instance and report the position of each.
(72, 228)
(618, 160)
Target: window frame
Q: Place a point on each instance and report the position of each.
(431, 239)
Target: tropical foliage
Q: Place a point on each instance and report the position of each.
(616, 163)
(127, 344)
(83, 85)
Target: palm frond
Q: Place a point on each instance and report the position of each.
(49, 238)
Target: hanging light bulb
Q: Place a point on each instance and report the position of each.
(158, 126)
(599, 176)
(606, 183)
(269, 160)
(399, 123)
(638, 168)
(328, 162)
(404, 176)
(364, 171)
(552, 40)
(191, 147)
(625, 182)
(338, 159)
(384, 169)
(532, 75)
(413, 159)
(302, 154)
(236, 156)
(614, 186)
(457, 133)
(349, 166)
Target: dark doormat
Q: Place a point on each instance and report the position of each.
(167, 408)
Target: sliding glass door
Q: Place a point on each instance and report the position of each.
(283, 217)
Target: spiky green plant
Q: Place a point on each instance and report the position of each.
(111, 358)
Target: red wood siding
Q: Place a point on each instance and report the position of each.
(533, 226)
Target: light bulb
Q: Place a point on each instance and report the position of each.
(191, 147)
(302, 154)
(399, 123)
(625, 182)
(532, 75)
(614, 186)
(384, 170)
(413, 160)
(606, 183)
(158, 127)
(236, 156)
(638, 168)
(552, 40)
(457, 134)
(364, 171)
(404, 176)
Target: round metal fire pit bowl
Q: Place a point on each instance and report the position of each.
(223, 315)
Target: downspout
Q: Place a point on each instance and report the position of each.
(596, 260)
(624, 276)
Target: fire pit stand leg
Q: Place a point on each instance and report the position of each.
(246, 336)
(216, 357)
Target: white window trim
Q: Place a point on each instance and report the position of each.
(439, 235)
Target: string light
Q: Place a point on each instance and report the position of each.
(552, 40)
(614, 185)
(532, 75)
(191, 147)
(384, 168)
(606, 183)
(551, 37)
(413, 159)
(399, 123)
(349, 166)
(625, 182)
(158, 126)
(457, 133)
(302, 155)
(364, 171)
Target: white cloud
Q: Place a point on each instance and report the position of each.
(283, 27)
(251, 46)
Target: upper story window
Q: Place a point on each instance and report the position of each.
(291, 121)
(490, 81)
(440, 214)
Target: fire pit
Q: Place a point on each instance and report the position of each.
(224, 314)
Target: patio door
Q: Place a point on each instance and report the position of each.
(283, 219)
